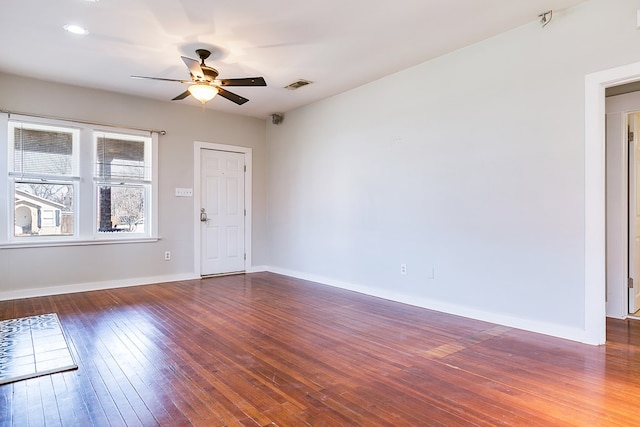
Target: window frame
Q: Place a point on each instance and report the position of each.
(85, 181)
(146, 182)
(14, 178)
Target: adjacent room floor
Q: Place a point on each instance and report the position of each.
(267, 350)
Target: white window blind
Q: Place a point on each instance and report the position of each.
(120, 158)
(42, 150)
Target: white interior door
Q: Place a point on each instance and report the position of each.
(222, 212)
(634, 213)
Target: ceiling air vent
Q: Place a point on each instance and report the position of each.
(298, 84)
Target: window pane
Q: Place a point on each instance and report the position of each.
(121, 209)
(42, 151)
(43, 209)
(120, 158)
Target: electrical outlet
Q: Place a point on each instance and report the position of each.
(403, 269)
(167, 256)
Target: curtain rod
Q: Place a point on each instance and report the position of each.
(161, 132)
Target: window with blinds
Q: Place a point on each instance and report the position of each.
(122, 176)
(43, 177)
(70, 181)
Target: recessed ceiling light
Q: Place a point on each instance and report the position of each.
(76, 29)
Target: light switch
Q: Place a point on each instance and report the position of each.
(184, 192)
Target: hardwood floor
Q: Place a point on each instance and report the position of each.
(267, 350)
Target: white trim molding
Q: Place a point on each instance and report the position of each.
(566, 332)
(93, 286)
(594, 198)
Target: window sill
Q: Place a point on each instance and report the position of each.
(54, 243)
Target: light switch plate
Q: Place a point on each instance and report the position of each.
(184, 192)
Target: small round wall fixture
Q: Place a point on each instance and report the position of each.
(277, 118)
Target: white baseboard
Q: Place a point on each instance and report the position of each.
(257, 269)
(93, 286)
(108, 284)
(559, 331)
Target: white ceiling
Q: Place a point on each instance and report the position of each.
(337, 44)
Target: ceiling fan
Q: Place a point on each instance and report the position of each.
(205, 83)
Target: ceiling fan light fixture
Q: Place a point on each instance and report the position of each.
(203, 92)
(204, 83)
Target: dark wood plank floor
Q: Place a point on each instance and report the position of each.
(267, 350)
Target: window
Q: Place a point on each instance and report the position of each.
(75, 182)
(43, 175)
(122, 176)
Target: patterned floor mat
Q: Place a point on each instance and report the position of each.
(33, 346)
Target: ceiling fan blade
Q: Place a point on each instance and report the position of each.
(163, 79)
(232, 96)
(183, 95)
(194, 68)
(247, 81)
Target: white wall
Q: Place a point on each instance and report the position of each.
(470, 165)
(33, 271)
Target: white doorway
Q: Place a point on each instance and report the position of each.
(622, 204)
(633, 128)
(222, 206)
(595, 251)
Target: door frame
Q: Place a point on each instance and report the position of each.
(618, 217)
(633, 273)
(594, 196)
(198, 146)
